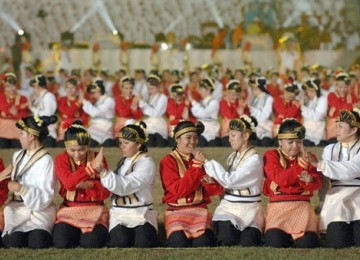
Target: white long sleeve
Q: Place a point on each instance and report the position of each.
(263, 113)
(156, 107)
(46, 104)
(210, 110)
(104, 108)
(248, 175)
(318, 113)
(39, 183)
(140, 180)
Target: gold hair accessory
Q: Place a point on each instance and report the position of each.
(24, 127)
(132, 135)
(348, 117)
(38, 120)
(154, 77)
(184, 131)
(251, 123)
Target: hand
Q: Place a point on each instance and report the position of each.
(13, 110)
(185, 113)
(84, 185)
(14, 186)
(5, 174)
(240, 110)
(305, 177)
(97, 163)
(332, 111)
(81, 96)
(199, 155)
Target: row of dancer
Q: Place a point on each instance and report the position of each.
(288, 175)
(105, 116)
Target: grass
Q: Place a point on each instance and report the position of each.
(112, 155)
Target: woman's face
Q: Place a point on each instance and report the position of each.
(291, 147)
(345, 133)
(128, 148)
(127, 90)
(71, 90)
(153, 89)
(237, 140)
(341, 88)
(77, 152)
(10, 89)
(310, 93)
(186, 143)
(233, 96)
(25, 139)
(289, 96)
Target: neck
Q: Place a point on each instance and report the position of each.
(244, 147)
(33, 146)
(349, 141)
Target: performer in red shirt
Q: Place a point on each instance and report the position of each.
(126, 104)
(82, 219)
(231, 106)
(70, 109)
(341, 98)
(290, 181)
(287, 106)
(187, 191)
(193, 87)
(12, 107)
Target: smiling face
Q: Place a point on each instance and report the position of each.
(127, 90)
(71, 90)
(128, 148)
(291, 147)
(341, 88)
(187, 142)
(77, 152)
(10, 89)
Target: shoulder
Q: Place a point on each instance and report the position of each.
(329, 148)
(271, 153)
(166, 159)
(61, 157)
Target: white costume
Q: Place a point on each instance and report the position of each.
(262, 108)
(207, 111)
(314, 114)
(243, 183)
(342, 165)
(45, 105)
(155, 110)
(32, 206)
(140, 89)
(132, 185)
(102, 114)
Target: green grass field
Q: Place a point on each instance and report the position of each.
(112, 155)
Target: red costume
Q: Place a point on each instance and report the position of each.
(282, 181)
(194, 91)
(335, 104)
(229, 111)
(124, 112)
(176, 110)
(274, 90)
(70, 175)
(283, 109)
(69, 111)
(3, 194)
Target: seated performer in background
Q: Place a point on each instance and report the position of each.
(187, 191)
(239, 218)
(133, 220)
(82, 219)
(30, 215)
(101, 109)
(290, 181)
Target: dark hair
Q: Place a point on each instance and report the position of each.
(72, 81)
(10, 78)
(36, 125)
(185, 124)
(292, 88)
(40, 79)
(78, 133)
(313, 84)
(207, 83)
(96, 85)
(153, 80)
(127, 80)
(238, 125)
(291, 126)
(177, 89)
(135, 133)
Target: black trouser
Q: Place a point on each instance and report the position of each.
(9, 143)
(49, 142)
(156, 140)
(278, 238)
(34, 239)
(107, 143)
(67, 236)
(341, 234)
(143, 236)
(179, 239)
(228, 235)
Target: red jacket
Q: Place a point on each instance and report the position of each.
(70, 179)
(340, 103)
(71, 110)
(20, 103)
(229, 110)
(123, 108)
(176, 187)
(284, 110)
(284, 184)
